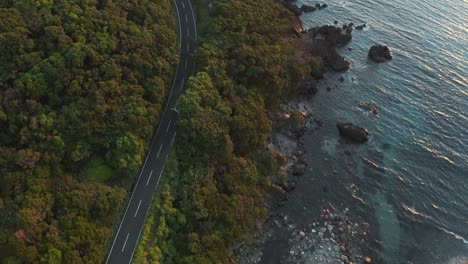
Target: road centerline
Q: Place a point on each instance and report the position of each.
(168, 126)
(159, 151)
(123, 248)
(138, 208)
(183, 6)
(149, 178)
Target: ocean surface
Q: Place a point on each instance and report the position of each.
(410, 180)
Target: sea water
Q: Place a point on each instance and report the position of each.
(410, 180)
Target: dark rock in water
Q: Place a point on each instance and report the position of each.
(298, 169)
(336, 22)
(288, 186)
(328, 88)
(344, 26)
(352, 131)
(379, 53)
(341, 79)
(317, 5)
(308, 86)
(361, 27)
(349, 30)
(368, 106)
(323, 6)
(293, 8)
(307, 8)
(338, 63)
(325, 189)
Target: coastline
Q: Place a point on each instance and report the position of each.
(331, 236)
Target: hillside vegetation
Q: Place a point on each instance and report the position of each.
(82, 83)
(217, 178)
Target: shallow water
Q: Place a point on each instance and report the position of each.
(410, 181)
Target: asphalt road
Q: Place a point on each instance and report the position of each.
(130, 229)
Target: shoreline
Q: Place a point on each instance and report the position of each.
(331, 237)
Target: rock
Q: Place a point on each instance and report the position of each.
(298, 169)
(288, 186)
(335, 22)
(293, 8)
(379, 53)
(308, 86)
(317, 5)
(297, 26)
(352, 131)
(367, 260)
(368, 106)
(307, 8)
(341, 79)
(328, 89)
(361, 27)
(323, 6)
(301, 233)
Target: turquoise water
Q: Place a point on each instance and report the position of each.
(410, 181)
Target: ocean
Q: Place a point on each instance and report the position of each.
(410, 180)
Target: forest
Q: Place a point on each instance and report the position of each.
(220, 171)
(82, 83)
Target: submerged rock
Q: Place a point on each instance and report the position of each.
(307, 8)
(352, 131)
(379, 53)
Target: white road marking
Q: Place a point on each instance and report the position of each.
(128, 205)
(165, 109)
(194, 21)
(182, 85)
(186, 64)
(183, 6)
(188, 47)
(188, 32)
(186, 18)
(138, 208)
(167, 155)
(125, 242)
(172, 142)
(149, 178)
(159, 151)
(169, 125)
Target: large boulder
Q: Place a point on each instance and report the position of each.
(352, 131)
(379, 53)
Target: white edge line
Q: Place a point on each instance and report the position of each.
(149, 178)
(128, 205)
(182, 85)
(172, 142)
(125, 242)
(183, 6)
(194, 20)
(138, 208)
(186, 18)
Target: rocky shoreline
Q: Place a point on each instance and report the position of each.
(331, 237)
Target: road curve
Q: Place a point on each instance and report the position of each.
(130, 229)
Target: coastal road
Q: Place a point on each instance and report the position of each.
(128, 235)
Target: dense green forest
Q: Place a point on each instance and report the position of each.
(82, 83)
(220, 172)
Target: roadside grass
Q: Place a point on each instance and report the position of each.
(97, 171)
